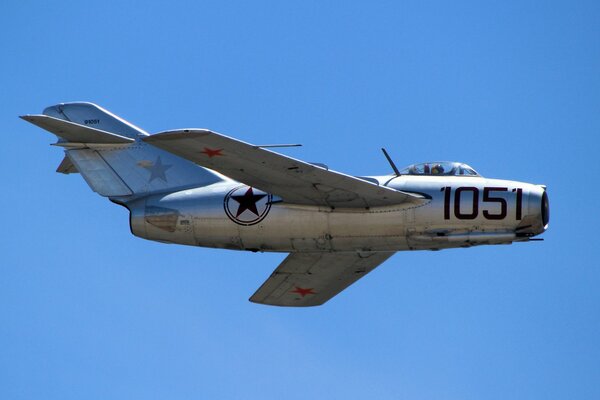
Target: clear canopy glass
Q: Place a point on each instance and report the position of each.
(441, 168)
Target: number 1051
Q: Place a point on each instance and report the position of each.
(490, 196)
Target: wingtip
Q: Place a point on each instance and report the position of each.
(30, 117)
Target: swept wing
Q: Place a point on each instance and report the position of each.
(293, 180)
(311, 279)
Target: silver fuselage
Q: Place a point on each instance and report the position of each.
(460, 212)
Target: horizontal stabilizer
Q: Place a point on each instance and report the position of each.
(75, 133)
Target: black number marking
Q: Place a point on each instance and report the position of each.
(457, 195)
(489, 199)
(519, 203)
(448, 191)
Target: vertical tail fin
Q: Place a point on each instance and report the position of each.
(119, 169)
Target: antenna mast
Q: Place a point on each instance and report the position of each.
(385, 153)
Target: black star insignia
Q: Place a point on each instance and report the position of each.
(248, 202)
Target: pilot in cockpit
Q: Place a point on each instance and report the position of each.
(437, 169)
(440, 168)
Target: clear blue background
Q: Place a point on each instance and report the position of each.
(512, 88)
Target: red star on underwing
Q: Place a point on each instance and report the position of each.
(303, 291)
(248, 202)
(212, 152)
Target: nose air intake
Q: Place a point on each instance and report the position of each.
(545, 210)
(535, 220)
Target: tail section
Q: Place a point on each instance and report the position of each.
(106, 150)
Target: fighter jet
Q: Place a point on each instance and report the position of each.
(201, 188)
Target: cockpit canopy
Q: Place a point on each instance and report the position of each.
(441, 168)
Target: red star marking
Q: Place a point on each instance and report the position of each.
(212, 152)
(302, 291)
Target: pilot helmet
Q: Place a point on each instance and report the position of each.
(437, 169)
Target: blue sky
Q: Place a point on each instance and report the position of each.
(511, 88)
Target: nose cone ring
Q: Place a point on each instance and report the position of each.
(539, 208)
(545, 210)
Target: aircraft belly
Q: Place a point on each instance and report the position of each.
(309, 229)
(288, 229)
(380, 229)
